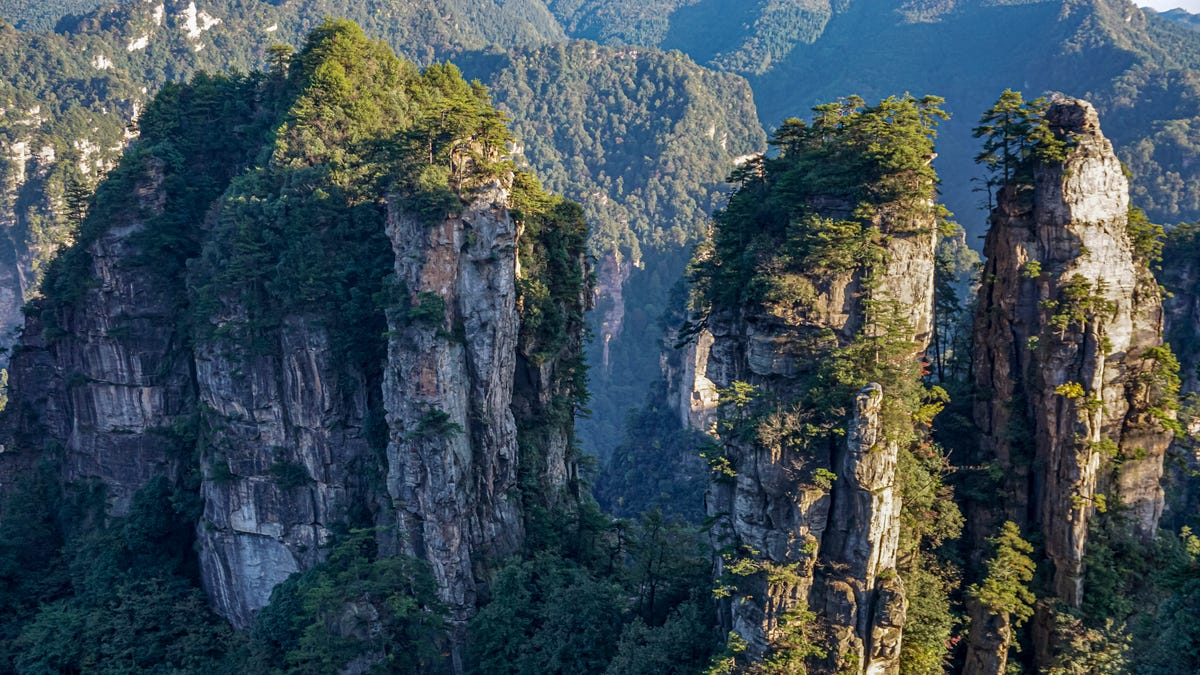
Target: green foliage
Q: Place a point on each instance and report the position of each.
(1147, 238)
(1167, 639)
(1005, 589)
(301, 233)
(1163, 384)
(676, 648)
(288, 475)
(436, 423)
(931, 620)
(356, 604)
(874, 159)
(633, 599)
(1016, 136)
(133, 602)
(428, 308)
(656, 466)
(547, 616)
(1071, 390)
(1088, 651)
(1079, 302)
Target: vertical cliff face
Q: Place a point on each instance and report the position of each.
(830, 517)
(288, 459)
(1067, 352)
(1180, 277)
(99, 382)
(816, 364)
(448, 390)
(306, 348)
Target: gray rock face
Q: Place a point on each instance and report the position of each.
(288, 457)
(862, 537)
(33, 222)
(835, 540)
(448, 391)
(103, 380)
(290, 447)
(1066, 317)
(691, 394)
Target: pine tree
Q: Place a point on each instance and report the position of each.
(1003, 127)
(1005, 590)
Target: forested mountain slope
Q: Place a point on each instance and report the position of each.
(311, 306)
(1133, 66)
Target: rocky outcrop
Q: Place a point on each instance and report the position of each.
(169, 347)
(612, 273)
(288, 458)
(38, 171)
(1065, 356)
(101, 382)
(818, 527)
(448, 388)
(863, 534)
(690, 393)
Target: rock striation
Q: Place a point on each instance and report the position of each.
(1067, 358)
(452, 445)
(97, 383)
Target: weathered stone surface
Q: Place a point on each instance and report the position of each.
(448, 388)
(988, 642)
(107, 376)
(288, 457)
(694, 396)
(288, 449)
(839, 540)
(1076, 384)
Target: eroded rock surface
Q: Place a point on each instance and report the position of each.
(828, 519)
(1066, 333)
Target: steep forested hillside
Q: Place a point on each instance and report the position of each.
(299, 394)
(644, 140)
(43, 14)
(797, 53)
(342, 348)
(1181, 17)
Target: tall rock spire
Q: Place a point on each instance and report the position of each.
(1068, 356)
(817, 365)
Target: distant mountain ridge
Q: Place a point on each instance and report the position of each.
(1180, 16)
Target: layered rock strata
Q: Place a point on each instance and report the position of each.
(438, 421)
(98, 382)
(448, 391)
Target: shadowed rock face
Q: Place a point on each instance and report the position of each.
(94, 381)
(1066, 315)
(836, 539)
(288, 431)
